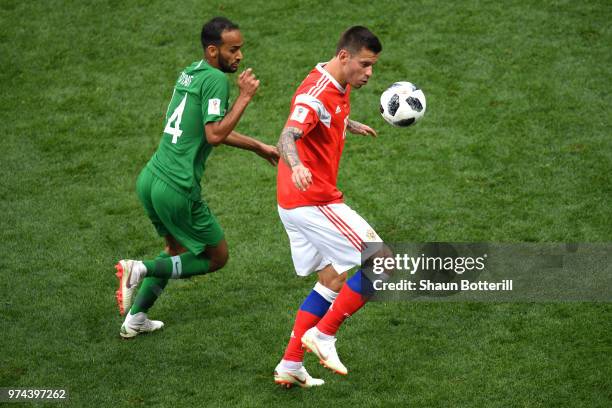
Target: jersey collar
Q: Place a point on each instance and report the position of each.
(321, 68)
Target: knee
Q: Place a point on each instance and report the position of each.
(218, 259)
(222, 259)
(172, 251)
(173, 247)
(332, 282)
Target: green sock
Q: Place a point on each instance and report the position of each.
(149, 291)
(181, 266)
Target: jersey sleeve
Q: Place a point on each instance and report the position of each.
(306, 112)
(215, 98)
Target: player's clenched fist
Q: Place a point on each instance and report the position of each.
(248, 83)
(301, 177)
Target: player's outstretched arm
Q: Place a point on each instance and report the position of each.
(359, 128)
(270, 153)
(217, 132)
(288, 151)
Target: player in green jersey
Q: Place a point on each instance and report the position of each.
(197, 119)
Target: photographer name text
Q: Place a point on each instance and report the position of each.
(428, 285)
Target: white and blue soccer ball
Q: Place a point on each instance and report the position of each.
(402, 104)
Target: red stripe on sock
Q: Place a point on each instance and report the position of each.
(346, 304)
(303, 321)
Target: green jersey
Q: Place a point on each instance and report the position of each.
(200, 96)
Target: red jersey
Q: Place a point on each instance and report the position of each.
(320, 108)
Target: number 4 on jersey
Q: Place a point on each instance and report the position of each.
(174, 129)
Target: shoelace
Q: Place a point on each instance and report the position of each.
(135, 325)
(147, 325)
(303, 372)
(330, 344)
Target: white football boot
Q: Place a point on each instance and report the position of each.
(287, 377)
(137, 324)
(324, 347)
(130, 273)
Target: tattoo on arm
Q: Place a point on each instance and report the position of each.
(286, 145)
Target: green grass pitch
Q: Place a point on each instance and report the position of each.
(515, 147)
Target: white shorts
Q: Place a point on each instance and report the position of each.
(328, 234)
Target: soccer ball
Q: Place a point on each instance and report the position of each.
(402, 104)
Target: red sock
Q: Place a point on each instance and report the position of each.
(303, 321)
(346, 304)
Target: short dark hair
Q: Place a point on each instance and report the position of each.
(212, 30)
(356, 38)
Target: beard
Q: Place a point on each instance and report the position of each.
(225, 66)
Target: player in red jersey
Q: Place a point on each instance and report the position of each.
(326, 235)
